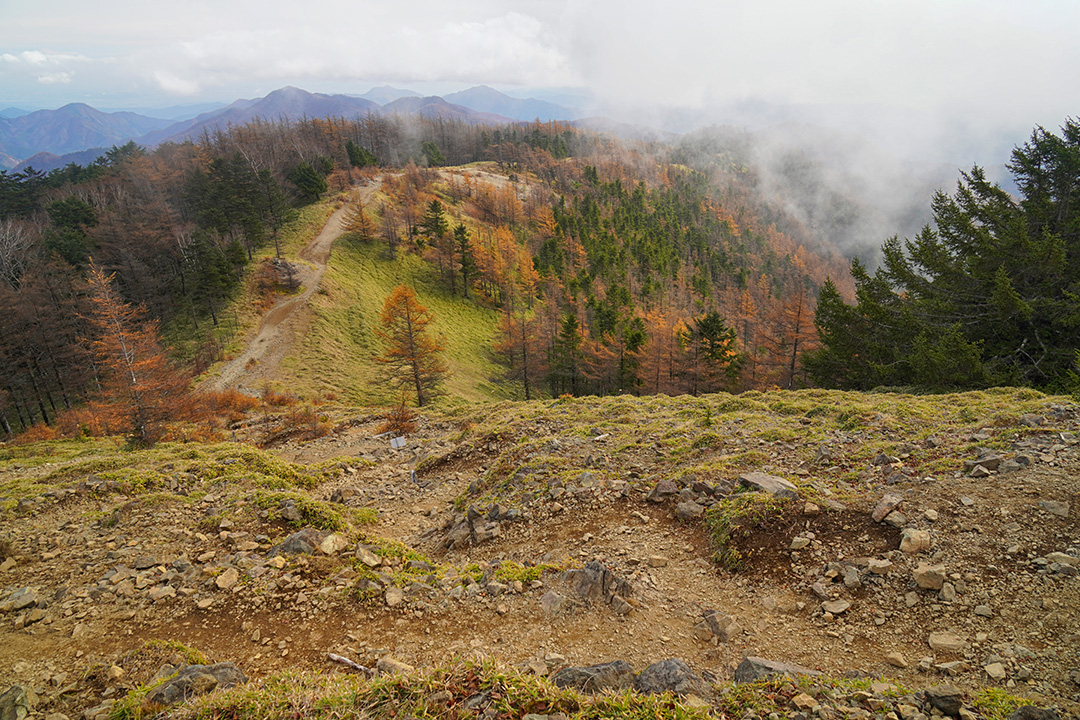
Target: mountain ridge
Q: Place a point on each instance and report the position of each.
(77, 127)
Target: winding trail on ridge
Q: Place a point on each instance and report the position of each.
(260, 361)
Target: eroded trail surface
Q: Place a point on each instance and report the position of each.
(284, 323)
(967, 575)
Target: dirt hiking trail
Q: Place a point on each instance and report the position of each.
(283, 323)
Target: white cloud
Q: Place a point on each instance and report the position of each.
(59, 78)
(39, 58)
(175, 85)
(511, 48)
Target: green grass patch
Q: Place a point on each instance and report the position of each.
(314, 513)
(997, 704)
(338, 353)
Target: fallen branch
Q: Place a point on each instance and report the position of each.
(350, 664)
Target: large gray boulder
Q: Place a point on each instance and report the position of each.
(674, 676)
(615, 675)
(192, 680)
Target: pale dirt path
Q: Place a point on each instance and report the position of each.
(260, 360)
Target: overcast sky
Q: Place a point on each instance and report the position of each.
(1001, 61)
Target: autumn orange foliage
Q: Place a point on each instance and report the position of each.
(140, 389)
(411, 358)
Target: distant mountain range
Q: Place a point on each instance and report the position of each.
(71, 128)
(48, 139)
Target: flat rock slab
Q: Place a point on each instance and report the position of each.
(756, 668)
(615, 675)
(776, 486)
(947, 642)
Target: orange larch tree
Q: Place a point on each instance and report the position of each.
(411, 357)
(141, 389)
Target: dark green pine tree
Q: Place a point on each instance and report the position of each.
(989, 295)
(465, 257)
(565, 358)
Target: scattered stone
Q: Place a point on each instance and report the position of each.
(663, 490)
(333, 543)
(715, 625)
(896, 659)
(880, 566)
(757, 668)
(914, 541)
(552, 603)
(656, 561)
(1061, 509)
(303, 542)
(394, 596)
(227, 579)
(674, 676)
(947, 642)
(99, 712)
(8, 564)
(776, 486)
(799, 543)
(595, 582)
(192, 680)
(367, 557)
(811, 510)
(885, 506)
(19, 600)
(896, 519)
(689, 510)
(835, 607)
(115, 672)
(615, 675)
(947, 593)
(946, 698)
(389, 666)
(929, 577)
(161, 592)
(804, 702)
(996, 671)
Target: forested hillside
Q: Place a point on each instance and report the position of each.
(611, 267)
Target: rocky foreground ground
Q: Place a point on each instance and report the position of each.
(886, 554)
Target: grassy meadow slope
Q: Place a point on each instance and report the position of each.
(337, 354)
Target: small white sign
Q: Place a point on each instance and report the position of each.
(398, 442)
